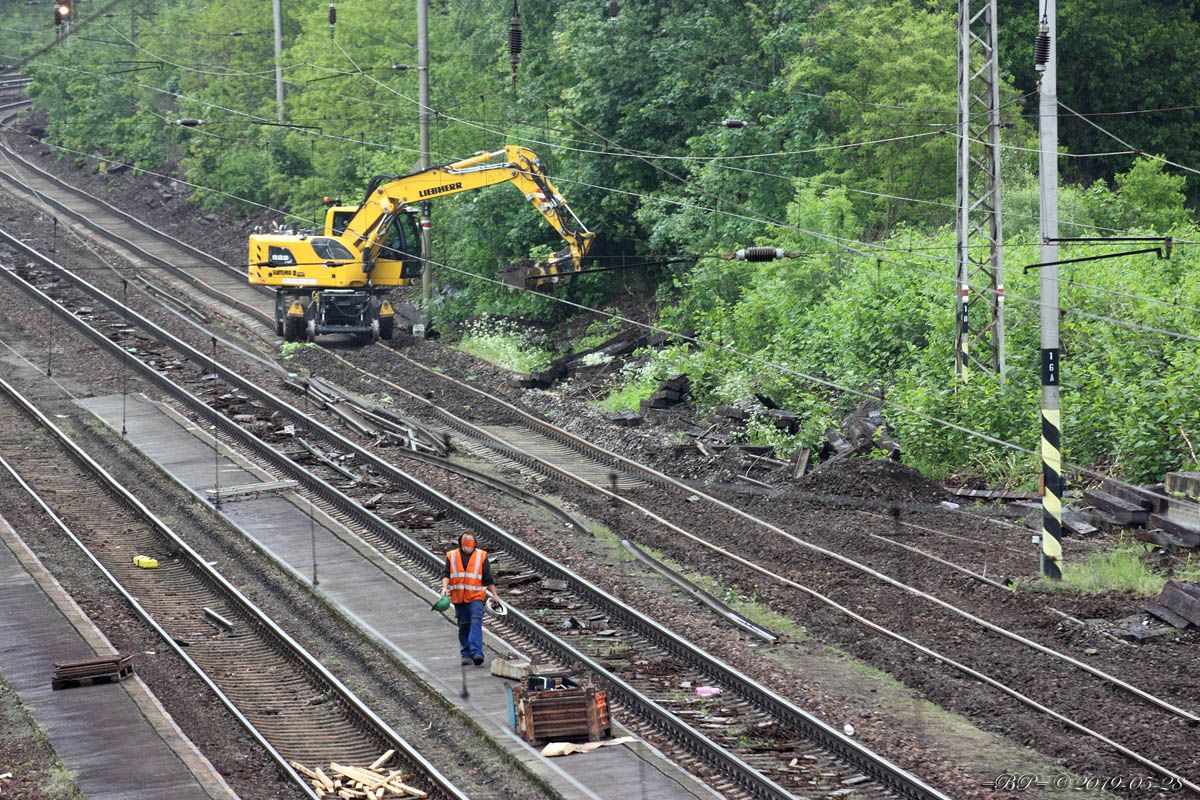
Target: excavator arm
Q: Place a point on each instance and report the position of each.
(388, 197)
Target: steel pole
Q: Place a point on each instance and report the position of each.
(423, 126)
(963, 194)
(1052, 495)
(277, 12)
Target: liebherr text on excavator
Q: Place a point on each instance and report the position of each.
(340, 281)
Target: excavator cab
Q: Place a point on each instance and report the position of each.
(399, 259)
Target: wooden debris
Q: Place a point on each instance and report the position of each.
(1073, 522)
(351, 783)
(1165, 614)
(1125, 512)
(1184, 535)
(1182, 598)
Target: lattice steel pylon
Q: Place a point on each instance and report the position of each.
(979, 331)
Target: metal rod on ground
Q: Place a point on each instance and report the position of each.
(423, 128)
(124, 358)
(50, 345)
(1046, 62)
(216, 442)
(312, 532)
(277, 13)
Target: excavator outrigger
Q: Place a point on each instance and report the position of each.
(339, 281)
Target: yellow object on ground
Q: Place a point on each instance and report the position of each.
(145, 562)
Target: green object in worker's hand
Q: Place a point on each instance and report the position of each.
(442, 603)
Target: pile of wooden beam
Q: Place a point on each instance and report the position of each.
(1153, 514)
(672, 392)
(1177, 605)
(373, 782)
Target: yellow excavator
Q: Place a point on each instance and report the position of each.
(339, 281)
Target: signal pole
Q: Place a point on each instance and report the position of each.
(277, 12)
(423, 126)
(1052, 495)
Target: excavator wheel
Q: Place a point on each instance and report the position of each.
(310, 331)
(387, 328)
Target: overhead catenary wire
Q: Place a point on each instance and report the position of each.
(1132, 148)
(844, 243)
(828, 384)
(635, 154)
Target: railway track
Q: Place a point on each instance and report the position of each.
(549, 450)
(539, 438)
(783, 729)
(291, 704)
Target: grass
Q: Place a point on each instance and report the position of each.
(629, 395)
(26, 752)
(289, 349)
(1120, 569)
(748, 607)
(505, 345)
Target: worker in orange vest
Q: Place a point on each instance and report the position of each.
(468, 579)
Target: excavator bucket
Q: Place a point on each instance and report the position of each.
(516, 274)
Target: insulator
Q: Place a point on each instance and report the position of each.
(733, 123)
(514, 39)
(1041, 49)
(759, 253)
(189, 122)
(237, 33)
(612, 10)
(400, 67)
(332, 17)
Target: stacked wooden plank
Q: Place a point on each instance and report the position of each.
(1178, 604)
(86, 673)
(373, 782)
(672, 392)
(1153, 513)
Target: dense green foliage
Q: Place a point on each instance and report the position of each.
(850, 106)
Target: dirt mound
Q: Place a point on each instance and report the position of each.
(872, 478)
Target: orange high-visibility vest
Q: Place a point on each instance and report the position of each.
(466, 585)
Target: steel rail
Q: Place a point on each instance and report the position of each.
(179, 272)
(587, 448)
(733, 767)
(367, 719)
(830, 602)
(134, 222)
(728, 764)
(592, 450)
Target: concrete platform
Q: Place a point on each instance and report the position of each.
(116, 738)
(387, 603)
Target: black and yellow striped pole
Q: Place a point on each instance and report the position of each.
(1052, 479)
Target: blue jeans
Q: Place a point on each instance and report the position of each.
(470, 628)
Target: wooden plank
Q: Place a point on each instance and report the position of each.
(1122, 510)
(1165, 614)
(1187, 537)
(800, 462)
(994, 494)
(383, 759)
(1161, 538)
(1074, 523)
(1183, 599)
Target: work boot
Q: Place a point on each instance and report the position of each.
(478, 661)
(466, 661)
